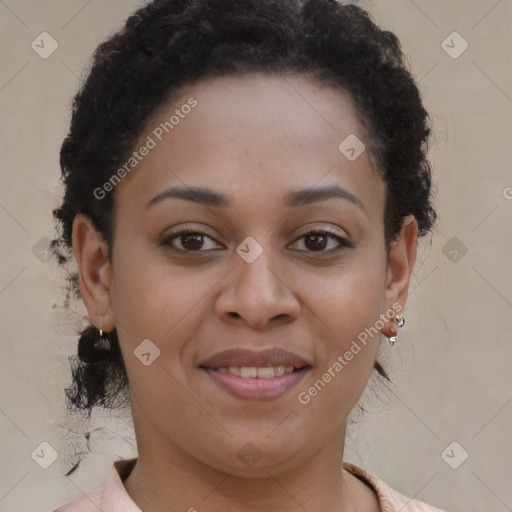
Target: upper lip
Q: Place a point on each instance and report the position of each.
(249, 358)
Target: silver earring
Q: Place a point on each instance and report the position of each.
(104, 342)
(400, 322)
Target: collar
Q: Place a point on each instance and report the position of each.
(116, 498)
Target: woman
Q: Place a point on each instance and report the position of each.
(245, 185)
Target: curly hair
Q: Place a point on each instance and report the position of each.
(169, 44)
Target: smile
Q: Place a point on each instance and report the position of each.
(254, 372)
(256, 383)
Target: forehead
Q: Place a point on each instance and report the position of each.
(252, 134)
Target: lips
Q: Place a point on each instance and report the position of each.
(273, 357)
(249, 375)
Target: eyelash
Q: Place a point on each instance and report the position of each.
(343, 243)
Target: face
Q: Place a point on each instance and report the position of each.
(252, 265)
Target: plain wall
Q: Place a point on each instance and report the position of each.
(452, 363)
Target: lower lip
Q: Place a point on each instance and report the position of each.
(255, 388)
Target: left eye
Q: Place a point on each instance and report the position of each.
(318, 241)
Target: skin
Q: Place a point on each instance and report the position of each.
(255, 138)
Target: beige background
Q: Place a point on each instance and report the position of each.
(452, 365)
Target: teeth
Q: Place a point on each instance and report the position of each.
(252, 372)
(265, 373)
(248, 372)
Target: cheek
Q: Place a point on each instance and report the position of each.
(155, 300)
(346, 308)
(348, 299)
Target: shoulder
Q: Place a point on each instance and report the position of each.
(389, 499)
(89, 502)
(111, 496)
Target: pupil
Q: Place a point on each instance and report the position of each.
(316, 238)
(192, 241)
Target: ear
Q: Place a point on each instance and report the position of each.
(91, 253)
(402, 258)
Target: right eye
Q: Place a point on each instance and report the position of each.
(190, 241)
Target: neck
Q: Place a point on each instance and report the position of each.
(166, 478)
(171, 484)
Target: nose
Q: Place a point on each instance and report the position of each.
(257, 294)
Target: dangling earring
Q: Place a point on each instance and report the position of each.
(400, 322)
(93, 348)
(104, 342)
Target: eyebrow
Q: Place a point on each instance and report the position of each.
(293, 199)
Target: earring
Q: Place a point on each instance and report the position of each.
(400, 322)
(93, 348)
(104, 342)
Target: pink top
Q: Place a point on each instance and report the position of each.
(112, 497)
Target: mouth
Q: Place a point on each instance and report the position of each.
(242, 358)
(249, 375)
(256, 388)
(257, 372)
